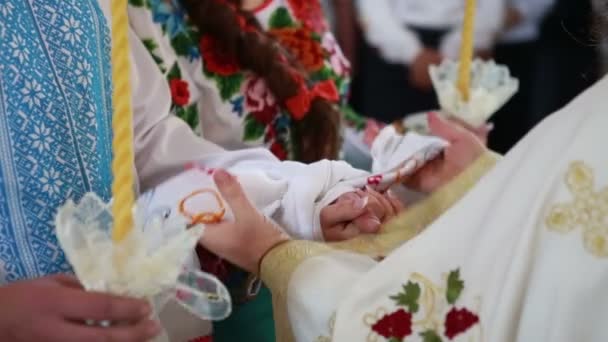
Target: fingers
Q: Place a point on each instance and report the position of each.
(367, 224)
(81, 305)
(443, 128)
(233, 193)
(143, 331)
(67, 281)
(427, 178)
(396, 203)
(347, 208)
(341, 232)
(386, 209)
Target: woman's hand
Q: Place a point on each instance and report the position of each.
(465, 147)
(55, 309)
(358, 212)
(246, 240)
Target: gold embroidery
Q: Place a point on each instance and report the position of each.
(588, 210)
(332, 323)
(276, 271)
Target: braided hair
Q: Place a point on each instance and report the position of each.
(240, 36)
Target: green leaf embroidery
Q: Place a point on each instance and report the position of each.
(151, 46)
(394, 339)
(254, 130)
(229, 85)
(430, 336)
(174, 73)
(324, 74)
(408, 297)
(189, 115)
(455, 287)
(281, 19)
(181, 44)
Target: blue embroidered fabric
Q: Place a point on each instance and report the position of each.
(55, 125)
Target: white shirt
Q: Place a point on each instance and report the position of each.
(533, 12)
(385, 24)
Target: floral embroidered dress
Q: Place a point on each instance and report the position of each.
(227, 105)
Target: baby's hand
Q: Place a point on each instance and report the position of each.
(358, 212)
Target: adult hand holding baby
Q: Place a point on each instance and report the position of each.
(465, 147)
(358, 212)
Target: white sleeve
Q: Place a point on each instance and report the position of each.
(308, 282)
(489, 22)
(164, 144)
(396, 43)
(533, 10)
(317, 288)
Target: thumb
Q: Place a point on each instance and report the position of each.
(233, 193)
(443, 128)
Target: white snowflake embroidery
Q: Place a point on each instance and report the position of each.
(84, 73)
(6, 9)
(32, 93)
(51, 182)
(71, 29)
(41, 138)
(19, 47)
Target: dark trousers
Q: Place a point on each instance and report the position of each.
(514, 120)
(382, 90)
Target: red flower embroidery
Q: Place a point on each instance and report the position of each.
(179, 92)
(459, 321)
(203, 339)
(259, 101)
(217, 60)
(396, 325)
(374, 180)
(299, 42)
(278, 150)
(310, 13)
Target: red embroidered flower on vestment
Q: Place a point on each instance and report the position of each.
(395, 325)
(459, 321)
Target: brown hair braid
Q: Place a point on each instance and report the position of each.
(317, 135)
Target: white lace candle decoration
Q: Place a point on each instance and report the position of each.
(158, 249)
(491, 87)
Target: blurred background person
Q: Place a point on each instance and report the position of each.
(341, 16)
(569, 55)
(518, 49)
(402, 38)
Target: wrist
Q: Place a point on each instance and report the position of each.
(276, 244)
